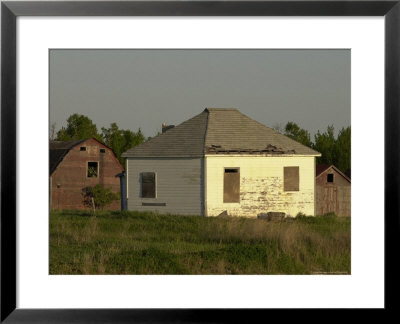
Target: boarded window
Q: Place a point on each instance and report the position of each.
(148, 185)
(92, 169)
(329, 177)
(231, 185)
(291, 178)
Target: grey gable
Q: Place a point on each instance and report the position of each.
(184, 140)
(219, 131)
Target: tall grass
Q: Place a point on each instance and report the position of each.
(146, 243)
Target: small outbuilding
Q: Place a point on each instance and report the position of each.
(76, 165)
(333, 191)
(221, 162)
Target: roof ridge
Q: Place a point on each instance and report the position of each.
(205, 132)
(221, 109)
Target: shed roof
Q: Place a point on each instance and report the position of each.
(321, 168)
(219, 131)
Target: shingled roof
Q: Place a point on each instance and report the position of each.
(219, 131)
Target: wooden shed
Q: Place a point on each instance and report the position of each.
(333, 191)
(221, 161)
(76, 165)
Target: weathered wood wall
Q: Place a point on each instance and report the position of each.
(333, 196)
(261, 185)
(70, 177)
(179, 185)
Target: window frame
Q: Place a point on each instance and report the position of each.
(223, 186)
(141, 184)
(87, 169)
(298, 185)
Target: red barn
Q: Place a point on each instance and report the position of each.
(76, 165)
(333, 191)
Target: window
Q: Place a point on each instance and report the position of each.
(92, 169)
(102, 150)
(83, 148)
(329, 177)
(231, 185)
(148, 185)
(291, 178)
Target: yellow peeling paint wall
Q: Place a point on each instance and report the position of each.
(261, 185)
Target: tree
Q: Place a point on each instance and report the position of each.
(78, 127)
(121, 140)
(325, 143)
(298, 134)
(98, 197)
(343, 149)
(336, 151)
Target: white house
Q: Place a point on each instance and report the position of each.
(221, 160)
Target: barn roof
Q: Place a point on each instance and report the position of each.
(219, 131)
(58, 150)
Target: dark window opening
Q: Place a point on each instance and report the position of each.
(102, 150)
(83, 148)
(148, 185)
(93, 169)
(329, 177)
(291, 179)
(231, 185)
(231, 170)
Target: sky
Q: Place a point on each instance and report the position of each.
(145, 88)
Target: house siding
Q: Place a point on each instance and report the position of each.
(179, 185)
(261, 185)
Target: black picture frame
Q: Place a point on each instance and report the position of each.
(11, 10)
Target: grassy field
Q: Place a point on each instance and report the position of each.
(145, 243)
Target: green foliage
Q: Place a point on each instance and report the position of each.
(325, 143)
(98, 195)
(78, 127)
(120, 140)
(131, 242)
(343, 149)
(300, 135)
(336, 151)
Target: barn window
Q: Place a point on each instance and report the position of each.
(329, 177)
(231, 185)
(92, 169)
(291, 178)
(148, 184)
(102, 150)
(83, 148)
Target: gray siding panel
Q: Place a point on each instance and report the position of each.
(179, 184)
